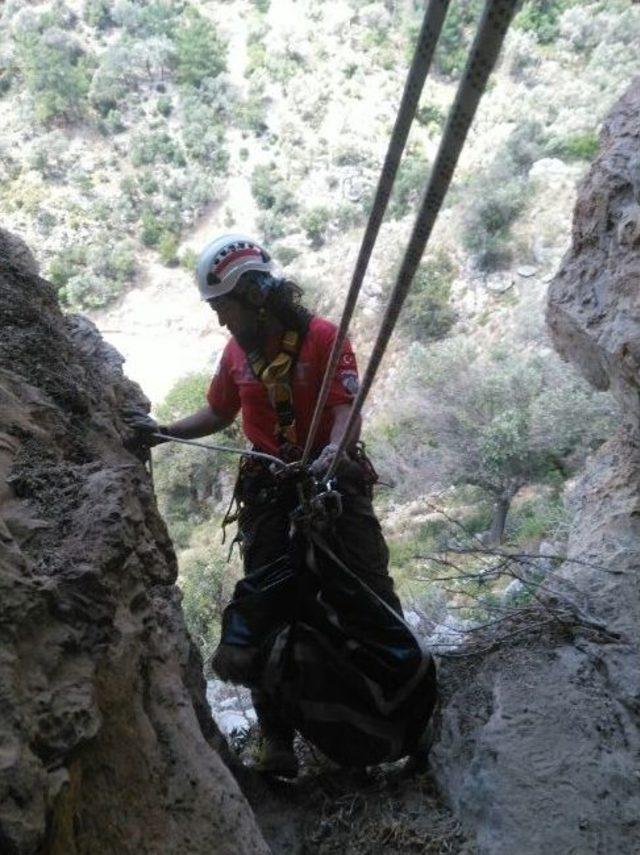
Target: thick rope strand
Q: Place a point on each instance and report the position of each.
(427, 40)
(484, 53)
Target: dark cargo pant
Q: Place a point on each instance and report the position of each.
(264, 528)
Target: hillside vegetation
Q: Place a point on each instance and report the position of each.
(133, 129)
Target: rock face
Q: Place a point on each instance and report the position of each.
(539, 749)
(106, 741)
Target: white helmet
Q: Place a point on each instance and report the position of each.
(225, 259)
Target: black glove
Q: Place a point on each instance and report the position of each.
(143, 428)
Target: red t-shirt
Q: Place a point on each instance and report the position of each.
(234, 387)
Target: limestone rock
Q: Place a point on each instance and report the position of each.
(594, 301)
(106, 741)
(539, 743)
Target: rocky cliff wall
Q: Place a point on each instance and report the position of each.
(539, 749)
(106, 742)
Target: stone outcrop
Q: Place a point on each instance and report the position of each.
(539, 748)
(106, 740)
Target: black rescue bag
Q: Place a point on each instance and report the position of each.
(336, 661)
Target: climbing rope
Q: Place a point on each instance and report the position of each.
(494, 24)
(241, 452)
(426, 45)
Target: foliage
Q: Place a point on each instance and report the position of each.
(56, 74)
(67, 263)
(48, 155)
(450, 55)
(151, 228)
(164, 106)
(91, 276)
(168, 249)
(185, 397)
(204, 586)
(496, 198)
(97, 13)
(410, 180)
(144, 20)
(271, 225)
(315, 222)
(498, 421)
(156, 147)
(542, 18)
(429, 115)
(581, 146)
(200, 52)
(427, 312)
(205, 113)
(269, 188)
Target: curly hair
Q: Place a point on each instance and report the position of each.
(282, 298)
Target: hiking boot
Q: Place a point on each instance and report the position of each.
(277, 757)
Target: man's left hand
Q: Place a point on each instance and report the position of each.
(321, 464)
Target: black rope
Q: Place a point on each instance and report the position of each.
(488, 41)
(427, 40)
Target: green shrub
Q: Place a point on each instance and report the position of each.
(56, 74)
(496, 199)
(429, 115)
(271, 225)
(582, 146)
(97, 13)
(112, 123)
(164, 106)
(204, 584)
(112, 261)
(185, 397)
(282, 67)
(168, 249)
(252, 113)
(89, 291)
(427, 313)
(527, 143)
(151, 229)
(410, 181)
(66, 264)
(156, 147)
(188, 260)
(315, 222)
(200, 52)
(271, 191)
(48, 155)
(147, 19)
(451, 53)
(542, 18)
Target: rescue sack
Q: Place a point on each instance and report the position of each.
(336, 660)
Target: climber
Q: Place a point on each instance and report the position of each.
(271, 371)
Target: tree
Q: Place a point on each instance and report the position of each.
(55, 71)
(499, 420)
(200, 52)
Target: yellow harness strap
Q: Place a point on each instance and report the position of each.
(276, 376)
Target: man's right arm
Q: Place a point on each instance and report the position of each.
(201, 423)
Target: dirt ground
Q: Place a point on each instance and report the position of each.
(330, 810)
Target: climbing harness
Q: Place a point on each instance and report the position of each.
(496, 18)
(276, 376)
